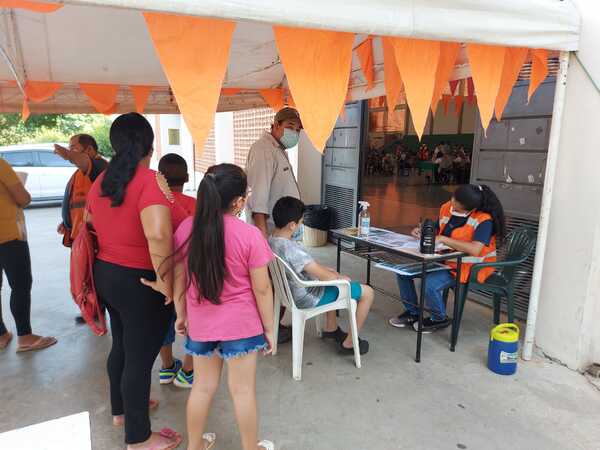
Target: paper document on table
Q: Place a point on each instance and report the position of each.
(410, 270)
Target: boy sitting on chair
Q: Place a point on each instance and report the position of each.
(287, 215)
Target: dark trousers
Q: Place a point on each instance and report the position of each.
(16, 264)
(139, 321)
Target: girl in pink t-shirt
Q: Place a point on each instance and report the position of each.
(224, 302)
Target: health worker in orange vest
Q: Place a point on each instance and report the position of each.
(83, 153)
(471, 222)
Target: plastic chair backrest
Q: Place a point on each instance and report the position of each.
(519, 245)
(278, 268)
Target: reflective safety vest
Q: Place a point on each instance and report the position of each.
(79, 186)
(466, 234)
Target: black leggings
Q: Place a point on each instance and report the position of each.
(16, 264)
(139, 321)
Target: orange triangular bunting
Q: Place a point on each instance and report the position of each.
(415, 59)
(194, 52)
(365, 56)
(317, 72)
(140, 95)
(448, 53)
(487, 63)
(539, 70)
(392, 79)
(513, 61)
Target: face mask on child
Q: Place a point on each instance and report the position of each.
(460, 214)
(298, 233)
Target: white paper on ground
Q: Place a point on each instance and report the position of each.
(66, 433)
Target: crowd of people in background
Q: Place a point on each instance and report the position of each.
(452, 162)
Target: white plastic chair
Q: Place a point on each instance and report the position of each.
(283, 295)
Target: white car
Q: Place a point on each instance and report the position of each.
(47, 173)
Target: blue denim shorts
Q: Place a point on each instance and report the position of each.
(226, 349)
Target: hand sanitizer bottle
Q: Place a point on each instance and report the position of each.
(364, 219)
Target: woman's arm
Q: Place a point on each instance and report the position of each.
(472, 248)
(19, 194)
(263, 291)
(179, 291)
(156, 222)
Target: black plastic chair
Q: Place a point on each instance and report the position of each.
(519, 245)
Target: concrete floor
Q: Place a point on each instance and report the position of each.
(448, 401)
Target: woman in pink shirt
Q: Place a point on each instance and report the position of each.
(224, 302)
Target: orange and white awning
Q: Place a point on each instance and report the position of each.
(205, 55)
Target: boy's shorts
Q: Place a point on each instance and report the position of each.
(332, 293)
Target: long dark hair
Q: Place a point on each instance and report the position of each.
(131, 138)
(221, 185)
(482, 198)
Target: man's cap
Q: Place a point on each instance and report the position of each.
(288, 113)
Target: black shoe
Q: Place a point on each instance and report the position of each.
(79, 320)
(284, 335)
(405, 319)
(363, 347)
(430, 325)
(338, 335)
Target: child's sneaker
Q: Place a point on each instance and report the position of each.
(168, 375)
(183, 379)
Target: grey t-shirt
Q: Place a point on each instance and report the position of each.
(297, 258)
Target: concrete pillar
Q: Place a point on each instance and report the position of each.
(309, 171)
(224, 152)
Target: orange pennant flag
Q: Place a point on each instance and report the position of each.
(273, 98)
(513, 61)
(25, 112)
(365, 55)
(194, 53)
(487, 63)
(102, 96)
(140, 95)
(539, 70)
(448, 54)
(317, 72)
(446, 101)
(40, 91)
(392, 79)
(31, 5)
(415, 59)
(229, 92)
(458, 103)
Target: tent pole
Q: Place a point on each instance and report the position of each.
(551, 163)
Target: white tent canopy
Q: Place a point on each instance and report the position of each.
(106, 41)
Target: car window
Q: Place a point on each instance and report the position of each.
(49, 159)
(19, 159)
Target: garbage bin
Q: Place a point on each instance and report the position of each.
(317, 221)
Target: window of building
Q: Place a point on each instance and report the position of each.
(173, 136)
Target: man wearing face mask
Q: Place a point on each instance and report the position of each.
(269, 171)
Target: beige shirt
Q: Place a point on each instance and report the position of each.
(270, 175)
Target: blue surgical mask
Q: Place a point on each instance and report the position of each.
(290, 138)
(298, 233)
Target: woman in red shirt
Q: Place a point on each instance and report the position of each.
(129, 207)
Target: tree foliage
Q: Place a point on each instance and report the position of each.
(55, 128)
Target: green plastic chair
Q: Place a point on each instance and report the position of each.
(518, 246)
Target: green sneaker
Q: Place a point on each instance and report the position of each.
(168, 375)
(183, 379)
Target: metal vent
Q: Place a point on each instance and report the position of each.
(341, 201)
(525, 272)
(553, 66)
